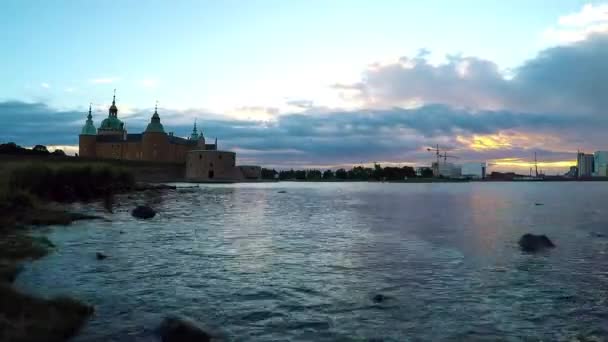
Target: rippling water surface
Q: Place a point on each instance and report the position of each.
(260, 265)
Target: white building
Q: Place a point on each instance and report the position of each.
(474, 170)
(585, 162)
(600, 164)
(447, 170)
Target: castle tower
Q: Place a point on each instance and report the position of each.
(198, 137)
(194, 135)
(155, 142)
(87, 138)
(112, 125)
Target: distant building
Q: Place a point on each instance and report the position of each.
(474, 170)
(202, 161)
(423, 170)
(600, 164)
(585, 164)
(573, 172)
(447, 170)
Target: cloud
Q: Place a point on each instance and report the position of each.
(589, 14)
(45, 85)
(335, 137)
(570, 79)
(303, 104)
(104, 80)
(578, 26)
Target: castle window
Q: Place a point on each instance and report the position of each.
(210, 164)
(220, 156)
(200, 156)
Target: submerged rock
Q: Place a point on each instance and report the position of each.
(143, 212)
(100, 256)
(379, 298)
(538, 203)
(534, 243)
(174, 329)
(282, 192)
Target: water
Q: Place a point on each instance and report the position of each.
(259, 265)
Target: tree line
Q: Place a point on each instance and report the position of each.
(358, 173)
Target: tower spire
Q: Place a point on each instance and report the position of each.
(194, 134)
(114, 97)
(90, 116)
(156, 107)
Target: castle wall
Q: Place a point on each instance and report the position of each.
(155, 146)
(109, 150)
(86, 146)
(211, 166)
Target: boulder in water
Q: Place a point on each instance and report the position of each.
(173, 329)
(143, 212)
(379, 298)
(534, 243)
(100, 256)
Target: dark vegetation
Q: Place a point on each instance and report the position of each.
(69, 183)
(26, 189)
(357, 173)
(38, 150)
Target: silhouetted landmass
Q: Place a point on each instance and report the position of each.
(14, 149)
(357, 173)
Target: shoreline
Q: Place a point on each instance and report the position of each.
(36, 195)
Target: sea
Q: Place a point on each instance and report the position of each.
(300, 261)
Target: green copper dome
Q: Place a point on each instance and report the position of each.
(89, 128)
(112, 123)
(155, 126)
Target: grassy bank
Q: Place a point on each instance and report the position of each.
(25, 193)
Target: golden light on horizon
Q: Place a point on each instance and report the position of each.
(517, 162)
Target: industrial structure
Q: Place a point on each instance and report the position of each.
(474, 170)
(585, 164)
(202, 161)
(441, 167)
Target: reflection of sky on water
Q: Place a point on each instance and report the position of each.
(305, 264)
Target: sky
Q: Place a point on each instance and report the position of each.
(317, 83)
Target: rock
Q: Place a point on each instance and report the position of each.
(79, 216)
(174, 329)
(534, 243)
(597, 234)
(538, 204)
(100, 256)
(379, 298)
(282, 192)
(143, 212)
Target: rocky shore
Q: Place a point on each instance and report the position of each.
(33, 196)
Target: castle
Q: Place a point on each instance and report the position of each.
(202, 162)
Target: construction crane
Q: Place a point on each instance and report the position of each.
(438, 154)
(446, 156)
